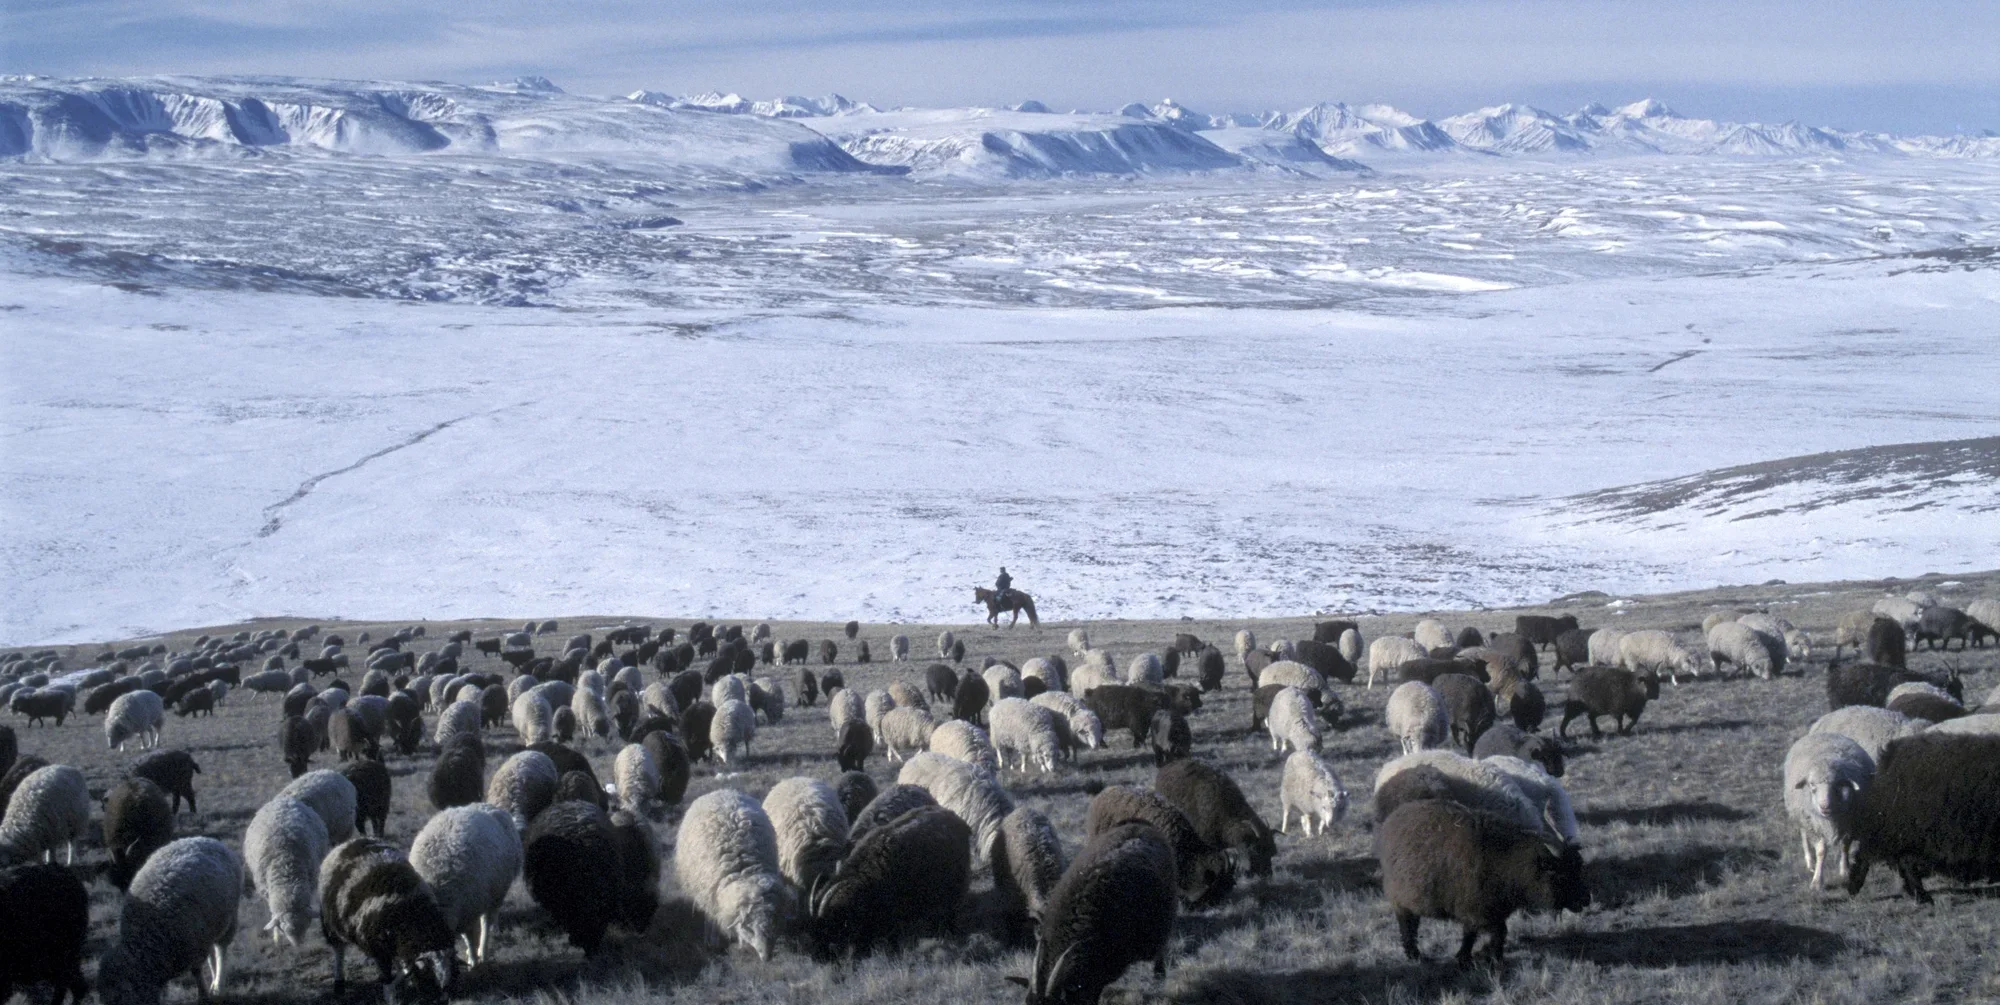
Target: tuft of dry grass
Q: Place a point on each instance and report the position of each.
(1699, 893)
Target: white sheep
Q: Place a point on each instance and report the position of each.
(1311, 788)
(457, 717)
(1985, 611)
(1716, 618)
(593, 680)
(1291, 721)
(726, 861)
(592, 718)
(1417, 717)
(1870, 727)
(1283, 649)
(1981, 724)
(873, 708)
(966, 742)
(520, 685)
(282, 850)
(843, 707)
(1798, 645)
(636, 778)
(908, 695)
(728, 688)
(1919, 687)
(968, 791)
(134, 715)
(1292, 674)
(1484, 787)
(329, 794)
(811, 827)
(179, 913)
(1146, 668)
(1025, 732)
(1002, 681)
(1824, 776)
(1744, 647)
(768, 697)
(1655, 650)
(733, 727)
(944, 641)
(1349, 645)
(556, 692)
(1389, 652)
(1043, 669)
(1902, 610)
(1084, 725)
(524, 785)
(469, 855)
(49, 809)
(1542, 789)
(1432, 634)
(904, 731)
(534, 720)
(1079, 641)
(658, 699)
(1603, 646)
(899, 648)
(1089, 676)
(631, 678)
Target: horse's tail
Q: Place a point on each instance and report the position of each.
(1028, 605)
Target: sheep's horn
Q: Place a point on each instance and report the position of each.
(1056, 969)
(1035, 974)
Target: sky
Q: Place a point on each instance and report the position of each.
(1903, 66)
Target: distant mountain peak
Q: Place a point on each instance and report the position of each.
(1648, 108)
(534, 83)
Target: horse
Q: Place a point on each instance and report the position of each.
(1016, 601)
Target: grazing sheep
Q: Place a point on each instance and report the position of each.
(1218, 810)
(874, 707)
(1291, 722)
(906, 695)
(1441, 860)
(171, 770)
(1049, 671)
(1416, 715)
(50, 809)
(44, 918)
(945, 641)
(904, 731)
(845, 706)
(885, 806)
(1549, 797)
(1871, 727)
(1469, 707)
(670, 759)
(1573, 648)
(637, 779)
(1002, 681)
(1921, 700)
(899, 648)
(458, 776)
(1597, 691)
(1146, 668)
(1933, 807)
(297, 740)
(138, 821)
(730, 688)
(1294, 674)
(1747, 649)
(1656, 651)
(533, 719)
(586, 874)
(1505, 740)
(137, 715)
(1205, 873)
(726, 860)
(1171, 737)
(1825, 774)
(1604, 645)
(1026, 732)
(904, 876)
(857, 741)
(592, 718)
(1432, 634)
(371, 898)
(524, 785)
(1113, 907)
(1985, 615)
(1027, 863)
(1389, 652)
(1311, 788)
(1902, 610)
(968, 791)
(768, 697)
(811, 825)
(1478, 785)
(808, 687)
(282, 850)
(732, 729)
(329, 794)
(460, 718)
(1120, 706)
(372, 793)
(969, 700)
(1888, 643)
(966, 742)
(1084, 726)
(1520, 700)
(178, 913)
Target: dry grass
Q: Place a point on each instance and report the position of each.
(1699, 891)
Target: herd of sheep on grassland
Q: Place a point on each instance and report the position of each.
(1473, 820)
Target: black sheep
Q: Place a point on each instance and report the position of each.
(638, 871)
(372, 794)
(138, 821)
(1330, 632)
(1218, 810)
(1469, 638)
(1620, 694)
(1886, 643)
(1122, 706)
(1172, 740)
(572, 863)
(576, 786)
(1523, 651)
(828, 652)
(670, 759)
(857, 741)
(100, 698)
(856, 790)
(173, 771)
(796, 651)
(38, 705)
(1542, 631)
(44, 917)
(695, 721)
(566, 760)
(1325, 659)
(1170, 663)
(295, 699)
(1470, 705)
(1521, 701)
(1870, 683)
(1254, 663)
(1426, 669)
(686, 687)
(903, 878)
(808, 688)
(1209, 669)
(372, 898)
(1206, 873)
(10, 748)
(852, 629)
(1934, 807)
(1928, 707)
(1187, 645)
(1509, 740)
(297, 740)
(1573, 649)
(885, 806)
(941, 682)
(968, 702)
(345, 733)
(1441, 860)
(563, 721)
(458, 777)
(1113, 907)
(1939, 625)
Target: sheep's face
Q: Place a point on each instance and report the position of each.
(424, 980)
(1831, 796)
(1561, 870)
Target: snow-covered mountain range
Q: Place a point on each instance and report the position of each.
(71, 119)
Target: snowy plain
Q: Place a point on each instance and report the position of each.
(521, 382)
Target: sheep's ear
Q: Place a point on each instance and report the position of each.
(1022, 981)
(1800, 784)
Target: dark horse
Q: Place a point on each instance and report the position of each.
(1017, 602)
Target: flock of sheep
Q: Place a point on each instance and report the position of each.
(1473, 821)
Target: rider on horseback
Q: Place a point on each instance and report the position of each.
(1003, 585)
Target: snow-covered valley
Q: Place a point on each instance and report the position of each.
(610, 356)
